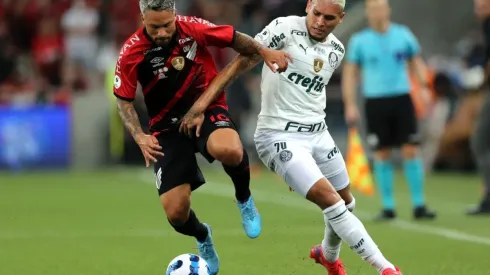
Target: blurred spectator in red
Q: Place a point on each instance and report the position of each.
(21, 17)
(125, 16)
(47, 51)
(2, 10)
(7, 53)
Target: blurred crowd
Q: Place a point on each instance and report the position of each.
(54, 50)
(46, 48)
(51, 50)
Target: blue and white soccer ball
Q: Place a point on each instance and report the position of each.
(188, 264)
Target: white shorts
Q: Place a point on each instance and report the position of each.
(302, 159)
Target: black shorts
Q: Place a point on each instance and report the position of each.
(179, 164)
(391, 122)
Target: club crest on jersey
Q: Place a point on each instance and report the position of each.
(317, 65)
(333, 60)
(178, 63)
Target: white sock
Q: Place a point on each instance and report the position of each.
(332, 243)
(352, 231)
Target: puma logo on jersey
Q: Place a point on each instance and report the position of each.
(337, 46)
(276, 39)
(314, 84)
(303, 47)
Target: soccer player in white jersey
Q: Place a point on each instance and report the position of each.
(292, 138)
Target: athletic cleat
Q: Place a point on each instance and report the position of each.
(392, 272)
(251, 220)
(478, 210)
(385, 215)
(335, 268)
(482, 209)
(422, 213)
(208, 252)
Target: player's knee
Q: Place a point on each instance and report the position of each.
(229, 155)
(176, 204)
(351, 205)
(410, 151)
(225, 146)
(346, 195)
(323, 194)
(177, 214)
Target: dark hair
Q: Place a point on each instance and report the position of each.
(443, 86)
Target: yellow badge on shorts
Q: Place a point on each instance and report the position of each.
(178, 63)
(317, 65)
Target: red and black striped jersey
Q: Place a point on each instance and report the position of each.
(171, 78)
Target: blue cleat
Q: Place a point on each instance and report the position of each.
(251, 220)
(208, 252)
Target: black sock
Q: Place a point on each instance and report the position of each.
(192, 227)
(240, 175)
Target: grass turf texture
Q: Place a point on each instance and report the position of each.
(111, 222)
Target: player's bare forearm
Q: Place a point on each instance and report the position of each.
(129, 117)
(244, 44)
(240, 65)
(419, 69)
(349, 83)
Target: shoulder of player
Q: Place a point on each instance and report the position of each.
(395, 25)
(190, 22)
(362, 33)
(337, 45)
(133, 50)
(356, 38)
(284, 22)
(399, 28)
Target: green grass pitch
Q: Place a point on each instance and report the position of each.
(111, 222)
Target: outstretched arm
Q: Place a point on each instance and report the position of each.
(240, 65)
(277, 61)
(222, 36)
(245, 44)
(251, 53)
(266, 45)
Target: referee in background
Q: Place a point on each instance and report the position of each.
(380, 54)
(481, 137)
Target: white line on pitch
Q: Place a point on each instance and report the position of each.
(226, 190)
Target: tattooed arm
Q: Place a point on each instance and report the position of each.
(150, 148)
(129, 117)
(251, 53)
(194, 117)
(275, 60)
(240, 65)
(244, 44)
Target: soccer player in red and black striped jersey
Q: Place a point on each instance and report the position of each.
(168, 61)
